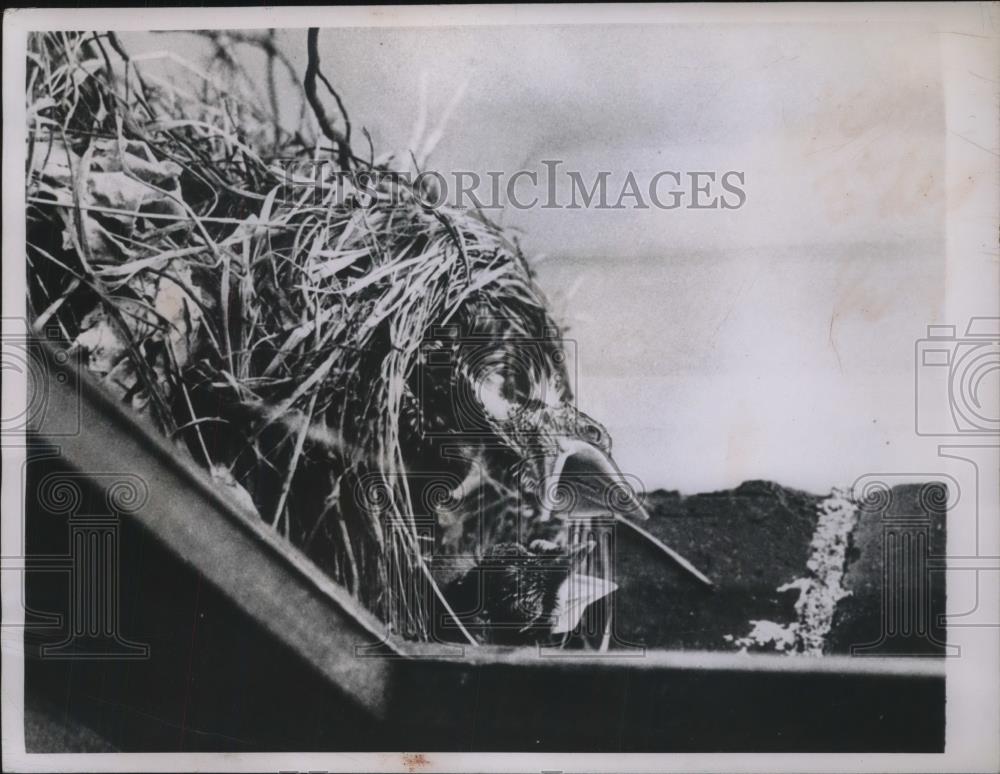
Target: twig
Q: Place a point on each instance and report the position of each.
(340, 107)
(312, 72)
(272, 89)
(142, 93)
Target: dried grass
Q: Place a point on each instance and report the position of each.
(274, 330)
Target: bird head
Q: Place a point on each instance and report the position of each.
(507, 423)
(565, 455)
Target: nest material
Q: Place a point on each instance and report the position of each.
(279, 330)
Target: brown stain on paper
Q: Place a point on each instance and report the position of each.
(415, 762)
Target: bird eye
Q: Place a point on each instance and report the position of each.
(593, 433)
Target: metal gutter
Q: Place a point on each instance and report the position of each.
(262, 575)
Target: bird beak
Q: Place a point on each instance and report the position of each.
(594, 477)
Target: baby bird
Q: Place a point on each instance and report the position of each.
(512, 597)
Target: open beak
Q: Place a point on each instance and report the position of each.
(596, 480)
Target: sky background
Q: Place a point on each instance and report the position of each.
(775, 341)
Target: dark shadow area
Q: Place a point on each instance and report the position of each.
(216, 680)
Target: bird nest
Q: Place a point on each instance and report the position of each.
(334, 354)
